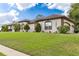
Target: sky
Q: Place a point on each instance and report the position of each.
(10, 12)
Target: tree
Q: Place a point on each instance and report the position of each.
(63, 29)
(38, 27)
(39, 16)
(26, 27)
(74, 14)
(16, 27)
(4, 28)
(76, 28)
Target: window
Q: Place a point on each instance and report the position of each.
(48, 25)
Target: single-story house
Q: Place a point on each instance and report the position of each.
(48, 24)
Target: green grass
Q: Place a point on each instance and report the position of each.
(1, 54)
(44, 44)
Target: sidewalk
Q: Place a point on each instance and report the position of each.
(11, 52)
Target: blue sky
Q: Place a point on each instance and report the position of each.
(10, 12)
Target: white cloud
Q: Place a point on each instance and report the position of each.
(15, 19)
(19, 6)
(3, 14)
(6, 22)
(61, 6)
(11, 4)
(51, 6)
(48, 4)
(8, 17)
(22, 6)
(13, 13)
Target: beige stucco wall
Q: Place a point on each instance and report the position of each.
(13, 29)
(71, 26)
(9, 27)
(42, 25)
(32, 27)
(55, 23)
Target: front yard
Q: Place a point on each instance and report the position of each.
(1, 54)
(45, 44)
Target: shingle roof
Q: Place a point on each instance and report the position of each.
(25, 20)
(55, 16)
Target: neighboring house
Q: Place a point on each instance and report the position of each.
(49, 24)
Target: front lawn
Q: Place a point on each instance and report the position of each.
(44, 44)
(1, 54)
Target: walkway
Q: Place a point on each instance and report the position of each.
(11, 52)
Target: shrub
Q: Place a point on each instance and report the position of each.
(26, 27)
(42, 31)
(50, 32)
(16, 27)
(38, 27)
(76, 28)
(4, 28)
(63, 29)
